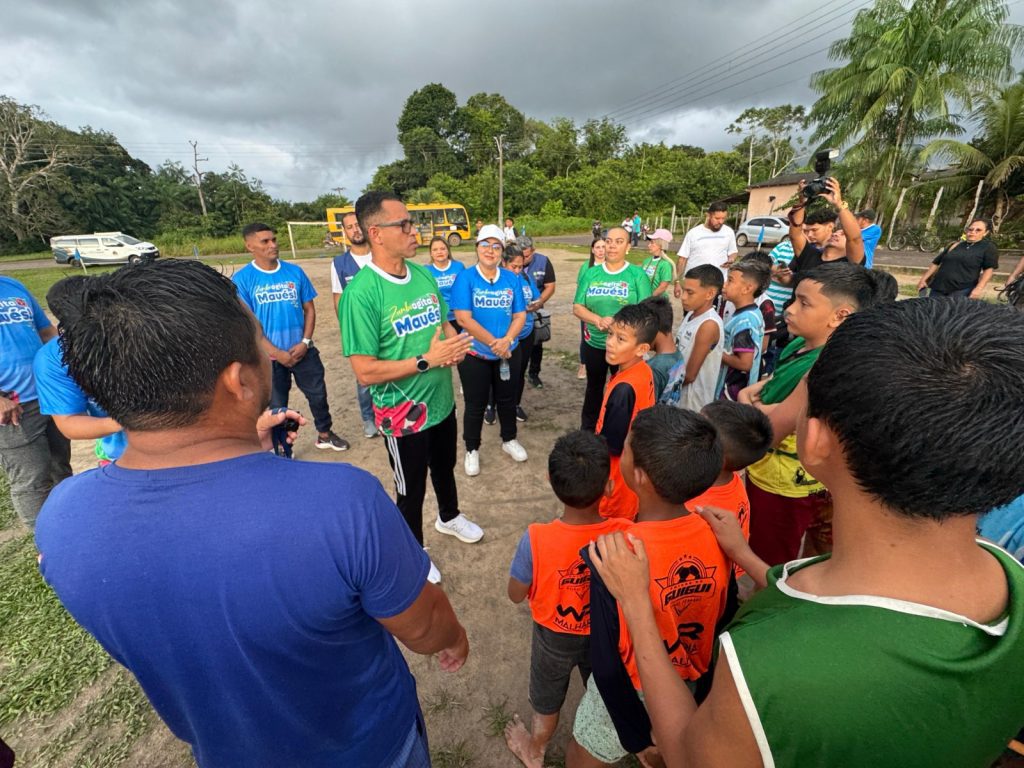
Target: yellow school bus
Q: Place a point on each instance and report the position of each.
(449, 220)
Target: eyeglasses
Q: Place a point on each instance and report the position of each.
(492, 246)
(405, 224)
(975, 229)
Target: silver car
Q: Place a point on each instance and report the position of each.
(776, 230)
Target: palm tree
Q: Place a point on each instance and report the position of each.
(909, 67)
(996, 154)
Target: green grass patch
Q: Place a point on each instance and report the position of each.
(496, 717)
(542, 226)
(456, 755)
(45, 658)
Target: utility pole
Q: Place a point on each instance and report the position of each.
(196, 160)
(499, 139)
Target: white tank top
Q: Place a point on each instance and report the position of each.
(701, 390)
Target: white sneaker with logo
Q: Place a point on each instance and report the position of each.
(472, 463)
(461, 527)
(514, 449)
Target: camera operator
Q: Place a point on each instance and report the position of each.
(814, 236)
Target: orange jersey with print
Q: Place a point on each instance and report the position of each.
(689, 583)
(623, 502)
(560, 591)
(731, 497)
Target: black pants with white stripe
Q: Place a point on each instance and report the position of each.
(410, 457)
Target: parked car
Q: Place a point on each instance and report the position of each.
(776, 230)
(102, 248)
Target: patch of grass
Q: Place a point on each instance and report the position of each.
(444, 701)
(570, 361)
(456, 755)
(497, 716)
(46, 659)
(7, 516)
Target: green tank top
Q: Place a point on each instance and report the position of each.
(867, 681)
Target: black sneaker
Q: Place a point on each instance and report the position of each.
(489, 415)
(520, 413)
(332, 441)
(535, 382)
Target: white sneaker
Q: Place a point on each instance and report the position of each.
(472, 463)
(434, 576)
(514, 449)
(462, 528)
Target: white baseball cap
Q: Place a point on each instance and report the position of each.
(489, 232)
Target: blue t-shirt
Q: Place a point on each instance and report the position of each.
(492, 303)
(870, 235)
(445, 280)
(60, 395)
(1005, 526)
(530, 294)
(276, 298)
(21, 319)
(243, 595)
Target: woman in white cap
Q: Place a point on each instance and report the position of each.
(658, 268)
(488, 304)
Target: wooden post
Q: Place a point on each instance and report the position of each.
(935, 208)
(673, 227)
(895, 213)
(291, 241)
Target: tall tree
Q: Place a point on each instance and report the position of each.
(602, 140)
(32, 159)
(909, 67)
(485, 117)
(771, 137)
(996, 155)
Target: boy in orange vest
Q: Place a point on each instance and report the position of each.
(630, 390)
(548, 571)
(672, 455)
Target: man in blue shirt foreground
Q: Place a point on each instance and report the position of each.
(256, 600)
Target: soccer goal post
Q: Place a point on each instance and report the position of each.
(291, 239)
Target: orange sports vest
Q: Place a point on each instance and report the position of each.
(689, 582)
(731, 497)
(560, 591)
(623, 502)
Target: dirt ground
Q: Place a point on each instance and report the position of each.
(503, 499)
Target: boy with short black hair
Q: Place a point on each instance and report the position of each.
(666, 355)
(744, 333)
(912, 619)
(629, 391)
(548, 571)
(671, 456)
(691, 384)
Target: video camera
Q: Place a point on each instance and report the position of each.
(822, 165)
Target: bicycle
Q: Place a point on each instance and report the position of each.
(915, 237)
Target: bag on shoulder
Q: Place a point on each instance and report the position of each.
(541, 327)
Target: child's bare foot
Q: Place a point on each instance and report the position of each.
(520, 742)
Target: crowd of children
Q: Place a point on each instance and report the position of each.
(695, 482)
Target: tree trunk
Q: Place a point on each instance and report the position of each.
(895, 213)
(977, 199)
(935, 208)
(997, 217)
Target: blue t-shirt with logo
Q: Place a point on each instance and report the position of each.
(276, 298)
(445, 280)
(244, 595)
(21, 319)
(60, 395)
(530, 295)
(492, 303)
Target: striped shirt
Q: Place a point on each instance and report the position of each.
(778, 293)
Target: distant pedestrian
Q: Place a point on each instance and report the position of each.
(637, 225)
(870, 233)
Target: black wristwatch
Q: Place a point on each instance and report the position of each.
(421, 364)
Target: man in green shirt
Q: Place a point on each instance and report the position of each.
(905, 646)
(395, 334)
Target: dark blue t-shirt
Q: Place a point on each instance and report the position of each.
(492, 303)
(242, 595)
(276, 298)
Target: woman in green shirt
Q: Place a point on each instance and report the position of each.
(602, 291)
(597, 254)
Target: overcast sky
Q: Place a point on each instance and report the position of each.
(305, 96)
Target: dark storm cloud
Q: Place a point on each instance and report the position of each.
(305, 96)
